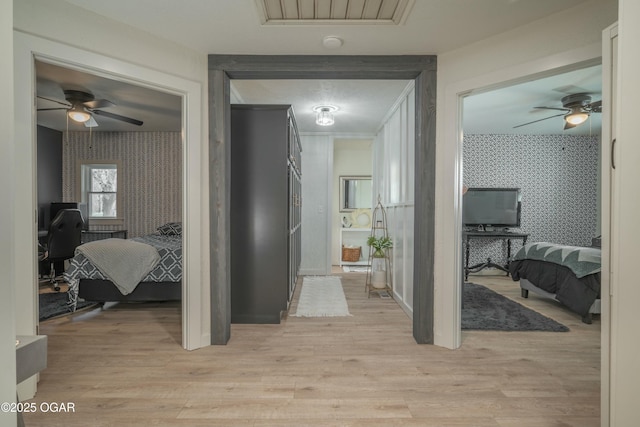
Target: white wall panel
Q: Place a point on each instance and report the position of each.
(317, 185)
(411, 148)
(394, 157)
(394, 177)
(409, 238)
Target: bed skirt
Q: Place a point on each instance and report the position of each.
(99, 290)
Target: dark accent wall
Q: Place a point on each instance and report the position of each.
(150, 175)
(49, 172)
(558, 177)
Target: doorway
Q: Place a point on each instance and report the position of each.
(193, 334)
(516, 139)
(422, 69)
(460, 93)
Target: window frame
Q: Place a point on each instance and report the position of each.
(83, 177)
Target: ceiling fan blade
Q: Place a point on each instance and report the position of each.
(536, 121)
(98, 103)
(51, 109)
(117, 117)
(55, 100)
(553, 108)
(91, 123)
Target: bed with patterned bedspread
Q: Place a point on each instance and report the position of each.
(158, 279)
(568, 274)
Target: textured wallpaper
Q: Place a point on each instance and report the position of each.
(558, 177)
(150, 176)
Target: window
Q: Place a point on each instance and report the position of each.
(100, 190)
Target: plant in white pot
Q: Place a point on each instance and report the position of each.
(379, 245)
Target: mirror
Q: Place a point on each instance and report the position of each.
(355, 193)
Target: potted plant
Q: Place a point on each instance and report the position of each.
(379, 274)
(379, 244)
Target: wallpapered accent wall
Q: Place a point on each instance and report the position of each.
(558, 177)
(150, 176)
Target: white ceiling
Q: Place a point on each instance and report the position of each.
(231, 26)
(498, 111)
(234, 26)
(362, 104)
(157, 110)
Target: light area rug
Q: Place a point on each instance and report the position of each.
(322, 296)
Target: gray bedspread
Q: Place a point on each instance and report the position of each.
(124, 262)
(581, 260)
(570, 273)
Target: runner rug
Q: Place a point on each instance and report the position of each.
(322, 296)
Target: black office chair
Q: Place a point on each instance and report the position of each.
(65, 233)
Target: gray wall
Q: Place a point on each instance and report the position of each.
(49, 170)
(150, 176)
(558, 176)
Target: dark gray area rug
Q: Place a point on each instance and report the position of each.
(54, 304)
(484, 309)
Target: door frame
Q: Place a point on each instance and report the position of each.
(454, 99)
(26, 49)
(223, 68)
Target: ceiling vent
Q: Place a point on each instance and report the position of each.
(332, 12)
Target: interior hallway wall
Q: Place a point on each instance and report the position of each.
(7, 222)
(317, 161)
(550, 43)
(351, 157)
(394, 179)
(53, 26)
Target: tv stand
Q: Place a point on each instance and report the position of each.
(483, 265)
(496, 234)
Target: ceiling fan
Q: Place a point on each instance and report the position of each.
(82, 106)
(576, 110)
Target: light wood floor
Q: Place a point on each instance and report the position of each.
(124, 367)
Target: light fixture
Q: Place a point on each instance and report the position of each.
(576, 117)
(78, 114)
(324, 114)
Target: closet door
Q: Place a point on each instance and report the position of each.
(259, 213)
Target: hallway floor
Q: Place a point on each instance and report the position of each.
(124, 366)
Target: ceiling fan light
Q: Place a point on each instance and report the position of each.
(576, 118)
(78, 114)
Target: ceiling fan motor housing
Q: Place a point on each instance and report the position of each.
(77, 96)
(576, 100)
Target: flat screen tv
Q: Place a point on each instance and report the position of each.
(496, 207)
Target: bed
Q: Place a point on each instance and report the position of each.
(147, 268)
(567, 274)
